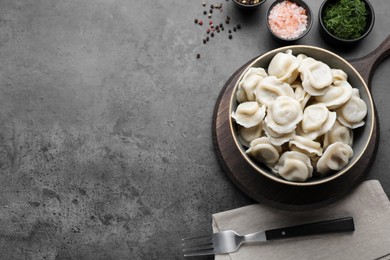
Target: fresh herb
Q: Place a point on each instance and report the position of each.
(346, 19)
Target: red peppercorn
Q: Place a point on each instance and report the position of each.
(211, 22)
(200, 22)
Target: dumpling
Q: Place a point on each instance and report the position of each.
(302, 96)
(335, 157)
(269, 88)
(301, 56)
(249, 114)
(306, 146)
(336, 95)
(247, 135)
(317, 120)
(284, 66)
(276, 138)
(352, 113)
(339, 75)
(338, 133)
(248, 83)
(283, 115)
(262, 150)
(316, 76)
(294, 166)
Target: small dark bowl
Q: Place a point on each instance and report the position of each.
(247, 7)
(334, 40)
(309, 21)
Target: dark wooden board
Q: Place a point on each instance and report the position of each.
(278, 195)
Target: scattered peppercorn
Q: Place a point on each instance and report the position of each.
(212, 29)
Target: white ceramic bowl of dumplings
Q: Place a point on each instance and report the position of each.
(361, 135)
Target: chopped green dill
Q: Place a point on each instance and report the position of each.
(346, 19)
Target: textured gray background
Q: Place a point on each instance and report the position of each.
(105, 122)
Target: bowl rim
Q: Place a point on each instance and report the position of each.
(364, 35)
(322, 180)
(300, 3)
(249, 6)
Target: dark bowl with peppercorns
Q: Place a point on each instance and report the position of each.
(289, 20)
(248, 5)
(345, 23)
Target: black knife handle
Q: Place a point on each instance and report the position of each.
(322, 227)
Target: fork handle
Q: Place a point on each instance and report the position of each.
(322, 227)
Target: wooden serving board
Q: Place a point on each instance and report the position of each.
(279, 195)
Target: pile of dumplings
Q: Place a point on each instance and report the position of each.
(297, 117)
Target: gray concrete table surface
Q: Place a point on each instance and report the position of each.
(105, 122)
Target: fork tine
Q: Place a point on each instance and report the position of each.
(201, 245)
(200, 252)
(196, 238)
(194, 241)
(197, 247)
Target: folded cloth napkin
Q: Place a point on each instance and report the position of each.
(367, 204)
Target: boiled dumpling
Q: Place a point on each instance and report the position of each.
(306, 146)
(336, 95)
(283, 115)
(276, 138)
(294, 166)
(262, 150)
(249, 114)
(317, 120)
(316, 76)
(335, 157)
(301, 56)
(302, 96)
(352, 113)
(248, 83)
(269, 88)
(247, 135)
(338, 133)
(339, 75)
(284, 66)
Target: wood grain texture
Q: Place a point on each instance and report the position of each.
(278, 195)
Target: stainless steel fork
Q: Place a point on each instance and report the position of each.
(229, 241)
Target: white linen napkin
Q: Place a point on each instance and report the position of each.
(367, 204)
